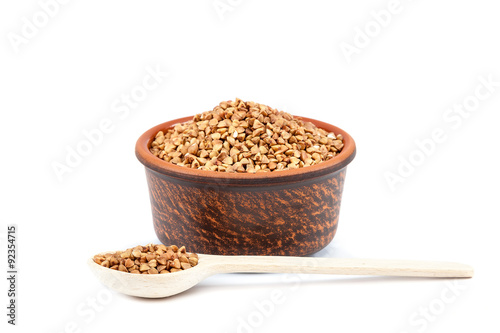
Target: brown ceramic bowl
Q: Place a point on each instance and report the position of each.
(292, 212)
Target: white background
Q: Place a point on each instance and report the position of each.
(64, 79)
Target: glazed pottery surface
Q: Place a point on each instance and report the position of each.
(291, 212)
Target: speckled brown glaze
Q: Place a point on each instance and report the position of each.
(292, 212)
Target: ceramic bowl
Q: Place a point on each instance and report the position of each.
(291, 212)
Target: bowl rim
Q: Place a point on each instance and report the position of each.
(154, 163)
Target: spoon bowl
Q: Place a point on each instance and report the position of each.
(164, 285)
(152, 285)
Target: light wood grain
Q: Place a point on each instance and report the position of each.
(163, 285)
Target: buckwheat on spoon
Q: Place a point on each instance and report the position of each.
(149, 259)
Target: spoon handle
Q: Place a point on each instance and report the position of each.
(340, 266)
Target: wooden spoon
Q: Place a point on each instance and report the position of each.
(164, 285)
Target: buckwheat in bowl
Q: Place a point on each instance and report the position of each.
(246, 179)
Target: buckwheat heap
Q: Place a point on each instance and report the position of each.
(149, 259)
(238, 136)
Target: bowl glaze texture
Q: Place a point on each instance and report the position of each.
(291, 212)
